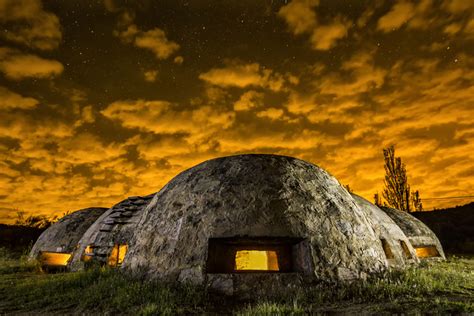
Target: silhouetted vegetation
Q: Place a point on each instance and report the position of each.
(36, 221)
(18, 238)
(396, 192)
(453, 226)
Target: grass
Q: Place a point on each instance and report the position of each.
(446, 287)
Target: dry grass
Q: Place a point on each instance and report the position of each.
(446, 287)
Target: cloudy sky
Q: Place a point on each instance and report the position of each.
(100, 100)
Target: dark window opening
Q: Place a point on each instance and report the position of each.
(386, 249)
(427, 252)
(405, 250)
(262, 254)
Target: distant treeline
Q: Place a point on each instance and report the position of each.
(453, 226)
(18, 238)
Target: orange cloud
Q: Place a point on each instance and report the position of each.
(12, 100)
(299, 15)
(156, 41)
(16, 65)
(161, 117)
(244, 75)
(325, 37)
(248, 100)
(150, 75)
(301, 18)
(32, 26)
(398, 15)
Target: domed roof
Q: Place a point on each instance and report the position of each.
(64, 235)
(397, 247)
(254, 197)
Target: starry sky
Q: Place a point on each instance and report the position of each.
(100, 100)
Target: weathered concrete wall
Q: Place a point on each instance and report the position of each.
(64, 235)
(253, 195)
(385, 228)
(115, 226)
(418, 233)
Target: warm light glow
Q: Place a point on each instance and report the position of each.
(54, 258)
(426, 252)
(256, 260)
(87, 253)
(117, 255)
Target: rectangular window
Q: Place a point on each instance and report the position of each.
(386, 249)
(426, 252)
(258, 254)
(88, 252)
(54, 259)
(117, 255)
(405, 250)
(256, 260)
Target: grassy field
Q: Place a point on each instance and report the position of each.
(446, 287)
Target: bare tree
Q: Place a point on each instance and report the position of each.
(397, 190)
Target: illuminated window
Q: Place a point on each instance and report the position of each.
(117, 255)
(258, 254)
(88, 252)
(256, 260)
(54, 259)
(386, 249)
(405, 250)
(426, 252)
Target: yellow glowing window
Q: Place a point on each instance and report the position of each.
(54, 258)
(117, 255)
(260, 260)
(88, 252)
(426, 252)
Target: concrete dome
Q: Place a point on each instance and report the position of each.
(114, 228)
(254, 202)
(425, 242)
(397, 247)
(62, 237)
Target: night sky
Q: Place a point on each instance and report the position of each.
(100, 100)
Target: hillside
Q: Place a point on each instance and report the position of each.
(453, 226)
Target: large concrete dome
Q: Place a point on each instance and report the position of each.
(194, 228)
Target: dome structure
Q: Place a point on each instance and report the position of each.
(279, 208)
(56, 244)
(398, 249)
(423, 240)
(106, 241)
(245, 225)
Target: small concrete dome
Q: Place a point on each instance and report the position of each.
(397, 247)
(195, 227)
(61, 238)
(425, 242)
(106, 241)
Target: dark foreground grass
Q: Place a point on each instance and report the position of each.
(446, 287)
